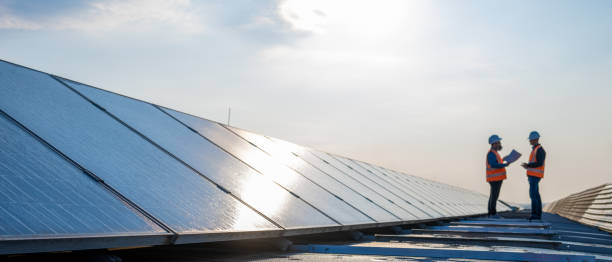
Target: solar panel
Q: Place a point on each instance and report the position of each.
(409, 211)
(349, 181)
(285, 156)
(425, 190)
(157, 183)
(84, 168)
(312, 193)
(479, 199)
(409, 189)
(459, 198)
(384, 184)
(428, 191)
(42, 194)
(449, 198)
(209, 160)
(439, 203)
(436, 187)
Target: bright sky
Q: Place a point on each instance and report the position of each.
(417, 86)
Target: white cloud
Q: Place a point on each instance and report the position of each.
(103, 16)
(354, 44)
(110, 15)
(10, 21)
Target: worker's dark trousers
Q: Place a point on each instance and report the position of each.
(534, 194)
(493, 196)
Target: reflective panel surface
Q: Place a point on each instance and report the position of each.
(395, 189)
(424, 202)
(43, 194)
(443, 195)
(423, 189)
(404, 210)
(479, 201)
(253, 188)
(149, 177)
(345, 179)
(262, 162)
(284, 155)
(413, 190)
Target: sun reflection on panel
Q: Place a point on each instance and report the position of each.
(267, 166)
(280, 152)
(264, 196)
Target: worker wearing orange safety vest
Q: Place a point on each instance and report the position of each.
(535, 172)
(496, 173)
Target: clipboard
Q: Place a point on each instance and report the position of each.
(512, 157)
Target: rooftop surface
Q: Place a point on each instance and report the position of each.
(510, 238)
(104, 172)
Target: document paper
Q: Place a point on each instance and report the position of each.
(513, 156)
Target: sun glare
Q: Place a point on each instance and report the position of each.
(260, 190)
(362, 17)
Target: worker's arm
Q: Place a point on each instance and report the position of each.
(540, 157)
(493, 161)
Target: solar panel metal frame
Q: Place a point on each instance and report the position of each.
(425, 188)
(46, 243)
(391, 180)
(439, 195)
(483, 197)
(375, 180)
(269, 159)
(212, 180)
(314, 169)
(177, 238)
(309, 157)
(389, 184)
(89, 242)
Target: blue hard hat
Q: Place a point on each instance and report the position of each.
(534, 135)
(494, 138)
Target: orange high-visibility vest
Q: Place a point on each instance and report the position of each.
(495, 174)
(535, 171)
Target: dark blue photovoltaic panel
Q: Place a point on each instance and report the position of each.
(391, 187)
(413, 189)
(453, 197)
(285, 156)
(409, 208)
(253, 188)
(437, 199)
(84, 168)
(480, 201)
(447, 194)
(260, 161)
(42, 194)
(150, 178)
(339, 175)
(438, 205)
(433, 188)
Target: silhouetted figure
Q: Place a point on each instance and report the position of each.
(535, 172)
(496, 173)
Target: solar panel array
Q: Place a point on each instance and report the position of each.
(84, 168)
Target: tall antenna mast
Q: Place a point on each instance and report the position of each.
(229, 115)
